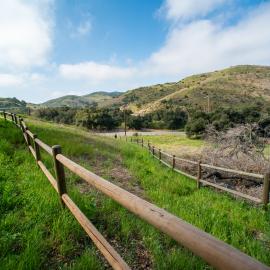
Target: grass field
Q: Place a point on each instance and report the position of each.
(178, 144)
(36, 233)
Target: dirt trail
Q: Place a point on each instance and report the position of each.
(120, 176)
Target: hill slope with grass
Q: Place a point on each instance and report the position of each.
(208, 91)
(35, 225)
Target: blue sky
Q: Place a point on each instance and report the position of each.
(50, 48)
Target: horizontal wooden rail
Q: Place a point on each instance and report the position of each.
(24, 125)
(186, 160)
(245, 196)
(32, 151)
(44, 146)
(48, 175)
(186, 174)
(30, 133)
(166, 154)
(105, 248)
(212, 250)
(253, 175)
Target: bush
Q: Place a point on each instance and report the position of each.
(196, 128)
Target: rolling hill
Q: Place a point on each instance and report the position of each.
(6, 103)
(228, 87)
(80, 101)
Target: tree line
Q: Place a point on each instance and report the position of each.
(193, 120)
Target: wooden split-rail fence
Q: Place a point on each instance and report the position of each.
(173, 162)
(215, 252)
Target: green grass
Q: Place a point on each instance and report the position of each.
(173, 140)
(35, 232)
(177, 144)
(232, 220)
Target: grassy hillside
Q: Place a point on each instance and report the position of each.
(127, 165)
(80, 101)
(228, 87)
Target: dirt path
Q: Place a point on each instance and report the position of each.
(120, 176)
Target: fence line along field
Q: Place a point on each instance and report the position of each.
(212, 250)
(172, 161)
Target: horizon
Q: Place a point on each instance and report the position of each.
(84, 47)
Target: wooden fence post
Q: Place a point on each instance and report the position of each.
(15, 119)
(153, 150)
(173, 162)
(20, 123)
(37, 150)
(12, 117)
(59, 173)
(142, 142)
(159, 153)
(266, 189)
(5, 116)
(199, 176)
(27, 138)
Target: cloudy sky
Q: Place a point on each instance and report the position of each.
(50, 48)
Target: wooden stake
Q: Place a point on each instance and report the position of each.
(36, 147)
(266, 189)
(199, 176)
(173, 162)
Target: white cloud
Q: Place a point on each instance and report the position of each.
(204, 45)
(25, 33)
(197, 46)
(9, 80)
(188, 9)
(95, 71)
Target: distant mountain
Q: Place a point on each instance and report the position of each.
(6, 103)
(80, 101)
